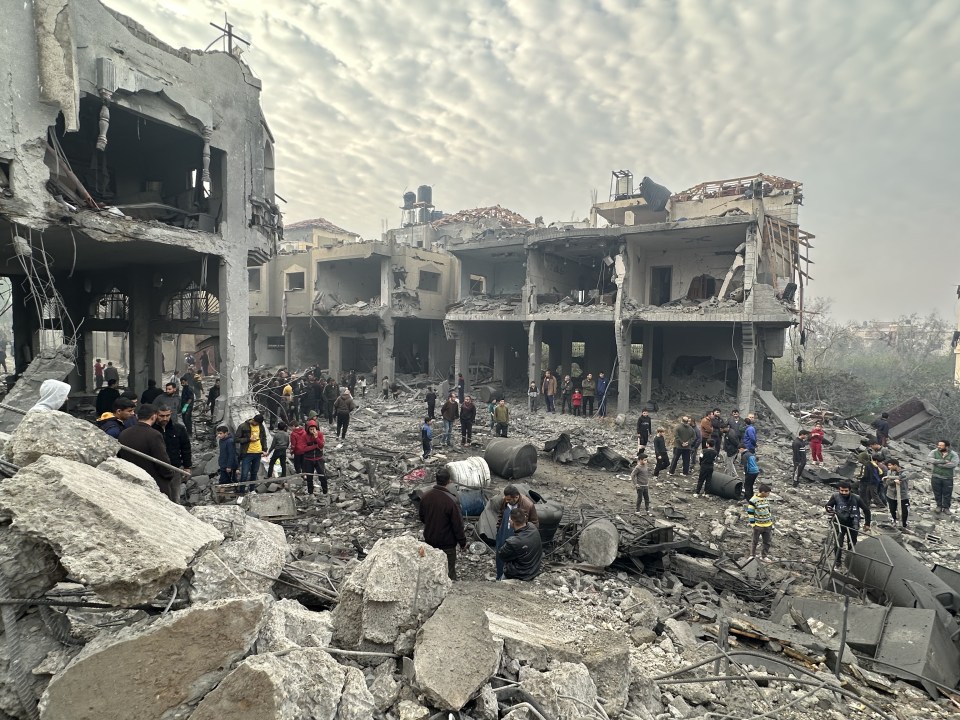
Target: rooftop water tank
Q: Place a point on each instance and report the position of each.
(425, 194)
(409, 198)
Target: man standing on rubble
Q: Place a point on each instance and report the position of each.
(176, 439)
(169, 400)
(511, 500)
(589, 390)
(799, 447)
(98, 374)
(144, 438)
(566, 393)
(331, 391)
(707, 462)
(107, 397)
(844, 509)
(761, 520)
(343, 406)
(501, 418)
(602, 385)
(644, 428)
(187, 398)
(660, 451)
(431, 398)
(151, 393)
(250, 449)
(750, 435)
(449, 411)
(114, 423)
(683, 439)
(443, 520)
(522, 552)
(548, 389)
(750, 470)
(111, 373)
(944, 462)
(468, 416)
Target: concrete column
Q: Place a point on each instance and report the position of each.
(234, 298)
(646, 385)
(500, 362)
(386, 365)
(566, 349)
(142, 353)
(623, 373)
(748, 369)
(534, 351)
(462, 360)
(554, 360)
(86, 354)
(335, 356)
(434, 340)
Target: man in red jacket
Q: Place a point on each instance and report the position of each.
(298, 445)
(443, 521)
(313, 462)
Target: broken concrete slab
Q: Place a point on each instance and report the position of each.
(29, 567)
(280, 504)
(782, 415)
(123, 541)
(49, 364)
(400, 581)
(553, 689)
(246, 562)
(59, 435)
(385, 688)
(289, 625)
(156, 668)
(864, 622)
(302, 684)
(128, 471)
(35, 646)
(458, 629)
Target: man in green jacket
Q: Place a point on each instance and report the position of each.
(944, 461)
(683, 439)
(501, 417)
(589, 392)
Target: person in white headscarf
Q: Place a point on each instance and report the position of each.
(53, 394)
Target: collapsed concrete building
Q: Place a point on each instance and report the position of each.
(136, 188)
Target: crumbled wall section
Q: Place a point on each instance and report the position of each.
(56, 56)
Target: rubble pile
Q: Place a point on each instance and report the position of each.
(331, 606)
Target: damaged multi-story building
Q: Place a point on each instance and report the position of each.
(701, 283)
(136, 188)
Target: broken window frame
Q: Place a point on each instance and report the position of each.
(251, 273)
(112, 305)
(289, 276)
(428, 281)
(193, 303)
(478, 284)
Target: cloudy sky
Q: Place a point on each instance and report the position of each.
(531, 104)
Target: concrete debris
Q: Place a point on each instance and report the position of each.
(38, 655)
(458, 629)
(29, 566)
(49, 364)
(75, 440)
(599, 543)
(399, 583)
(566, 692)
(126, 470)
(155, 668)
(503, 217)
(123, 541)
(247, 562)
(290, 625)
(302, 684)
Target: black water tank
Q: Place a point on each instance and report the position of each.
(409, 198)
(425, 194)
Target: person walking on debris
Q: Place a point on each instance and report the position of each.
(362, 384)
(602, 385)
(461, 387)
(799, 447)
(707, 461)
(522, 552)
(882, 426)
(737, 424)
(107, 397)
(644, 428)
(250, 449)
(169, 399)
(313, 462)
(697, 440)
(114, 423)
(641, 481)
(549, 390)
(98, 374)
(501, 417)
(431, 398)
(426, 437)
(213, 395)
(532, 397)
(331, 393)
(177, 440)
(151, 393)
(761, 520)
(111, 373)
(566, 392)
(186, 405)
(706, 430)
(844, 509)
(588, 388)
(577, 400)
(683, 438)
(870, 475)
(343, 406)
(449, 411)
(816, 444)
(385, 384)
(227, 459)
(468, 415)
(898, 492)
(443, 520)
(146, 439)
(750, 434)
(944, 462)
(278, 450)
(660, 451)
(750, 470)
(298, 443)
(731, 448)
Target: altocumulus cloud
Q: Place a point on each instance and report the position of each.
(530, 103)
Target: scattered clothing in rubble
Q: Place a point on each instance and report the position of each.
(443, 521)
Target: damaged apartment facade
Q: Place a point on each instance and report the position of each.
(137, 188)
(332, 300)
(700, 284)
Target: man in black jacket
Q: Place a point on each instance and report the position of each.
(107, 397)
(331, 391)
(443, 521)
(144, 437)
(468, 415)
(176, 439)
(799, 447)
(522, 553)
(844, 508)
(644, 428)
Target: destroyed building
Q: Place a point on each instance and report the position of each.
(136, 188)
(700, 283)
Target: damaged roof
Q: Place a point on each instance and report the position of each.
(320, 224)
(505, 216)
